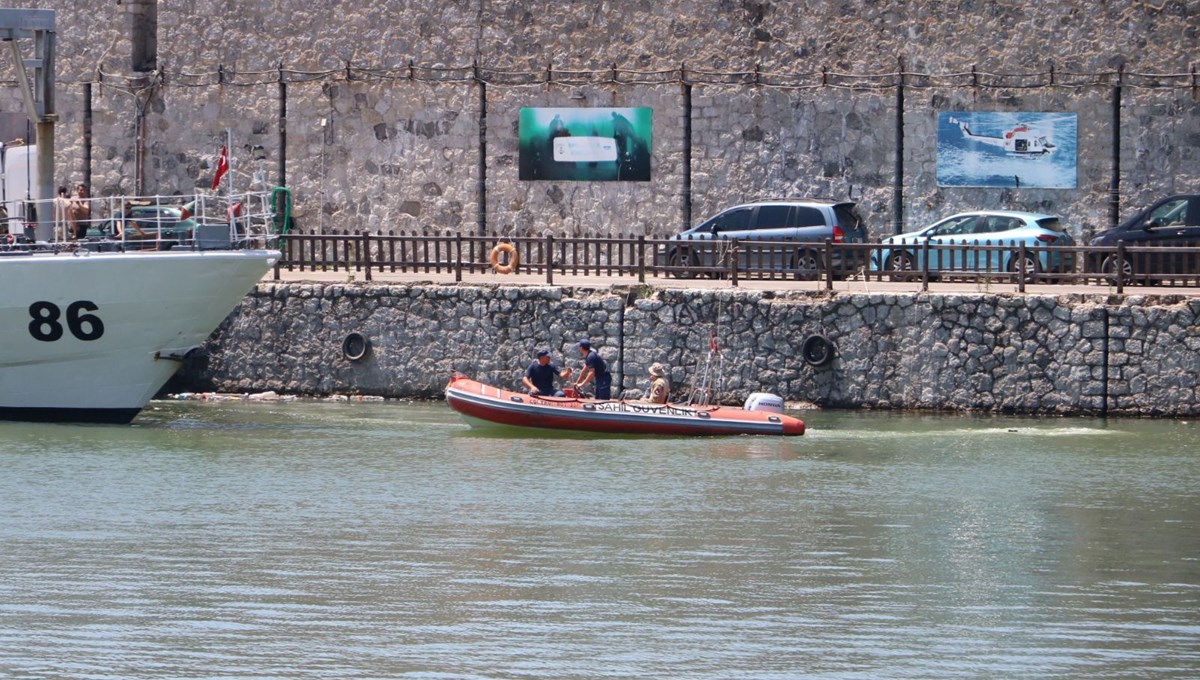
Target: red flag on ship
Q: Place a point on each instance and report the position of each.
(222, 168)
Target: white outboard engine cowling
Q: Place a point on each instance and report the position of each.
(763, 401)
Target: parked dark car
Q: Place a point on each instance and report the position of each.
(782, 235)
(149, 227)
(1169, 224)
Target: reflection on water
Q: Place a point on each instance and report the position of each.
(388, 540)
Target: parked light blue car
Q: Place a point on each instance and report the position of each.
(956, 246)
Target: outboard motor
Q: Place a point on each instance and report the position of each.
(763, 401)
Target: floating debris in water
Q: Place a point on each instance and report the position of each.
(267, 396)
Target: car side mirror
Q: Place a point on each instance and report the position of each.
(712, 229)
(1152, 223)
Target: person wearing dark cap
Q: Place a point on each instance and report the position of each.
(539, 377)
(594, 367)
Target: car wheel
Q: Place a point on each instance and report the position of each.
(1029, 272)
(679, 260)
(806, 265)
(902, 267)
(1111, 265)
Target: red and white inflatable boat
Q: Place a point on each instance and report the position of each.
(479, 402)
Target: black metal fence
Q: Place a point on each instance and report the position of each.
(641, 258)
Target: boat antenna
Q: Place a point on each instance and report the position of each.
(720, 369)
(719, 377)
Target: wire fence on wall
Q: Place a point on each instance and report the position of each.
(683, 75)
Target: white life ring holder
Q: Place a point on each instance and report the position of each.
(513, 258)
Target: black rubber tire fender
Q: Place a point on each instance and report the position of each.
(817, 350)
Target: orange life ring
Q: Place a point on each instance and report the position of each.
(513, 258)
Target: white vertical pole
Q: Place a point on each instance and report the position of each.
(229, 160)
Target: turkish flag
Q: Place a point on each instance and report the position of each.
(222, 168)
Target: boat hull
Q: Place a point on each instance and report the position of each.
(479, 402)
(93, 337)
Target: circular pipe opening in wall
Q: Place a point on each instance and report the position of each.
(355, 346)
(817, 350)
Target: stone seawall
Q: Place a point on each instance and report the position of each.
(1069, 354)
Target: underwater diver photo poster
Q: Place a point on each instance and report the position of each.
(594, 144)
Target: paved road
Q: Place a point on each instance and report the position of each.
(603, 282)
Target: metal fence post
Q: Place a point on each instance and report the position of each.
(828, 264)
(641, 250)
(925, 266)
(1021, 269)
(458, 258)
(549, 259)
(366, 239)
(733, 263)
(1120, 267)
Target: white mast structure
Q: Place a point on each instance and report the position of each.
(38, 24)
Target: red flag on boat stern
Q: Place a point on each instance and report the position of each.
(222, 168)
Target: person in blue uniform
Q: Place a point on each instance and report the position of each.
(594, 368)
(539, 377)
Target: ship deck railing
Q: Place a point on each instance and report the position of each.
(216, 222)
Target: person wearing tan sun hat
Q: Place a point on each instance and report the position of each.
(660, 389)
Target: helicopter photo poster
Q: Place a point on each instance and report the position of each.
(1007, 149)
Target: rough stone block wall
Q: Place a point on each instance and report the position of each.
(787, 99)
(750, 144)
(1069, 355)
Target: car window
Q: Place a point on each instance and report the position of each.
(1171, 213)
(955, 226)
(846, 217)
(1050, 223)
(998, 223)
(772, 217)
(807, 216)
(707, 225)
(737, 219)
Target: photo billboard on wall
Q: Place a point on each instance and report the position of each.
(585, 144)
(995, 149)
